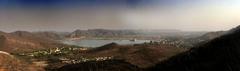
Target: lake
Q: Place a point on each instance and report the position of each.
(98, 43)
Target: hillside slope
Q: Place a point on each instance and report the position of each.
(142, 55)
(219, 54)
(22, 41)
(10, 63)
(108, 65)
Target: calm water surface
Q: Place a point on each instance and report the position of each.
(98, 43)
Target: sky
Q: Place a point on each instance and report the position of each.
(69, 15)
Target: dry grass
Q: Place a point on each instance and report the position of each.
(9, 63)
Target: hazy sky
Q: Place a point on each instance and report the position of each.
(68, 15)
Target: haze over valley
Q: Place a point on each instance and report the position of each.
(119, 35)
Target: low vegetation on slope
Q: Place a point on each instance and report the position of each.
(10, 63)
(108, 65)
(22, 41)
(142, 55)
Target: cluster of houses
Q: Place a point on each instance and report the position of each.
(59, 51)
(69, 61)
(178, 43)
(52, 51)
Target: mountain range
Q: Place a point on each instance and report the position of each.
(127, 33)
(21, 41)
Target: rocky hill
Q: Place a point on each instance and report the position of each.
(51, 35)
(22, 41)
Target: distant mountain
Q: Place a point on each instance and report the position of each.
(46, 34)
(219, 54)
(121, 33)
(22, 41)
(50, 35)
(101, 32)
